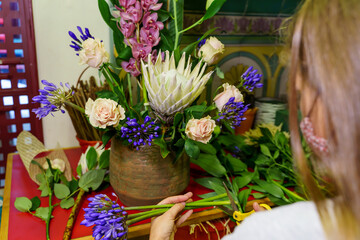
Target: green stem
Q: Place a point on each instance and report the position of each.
(288, 192)
(146, 216)
(194, 25)
(213, 198)
(136, 215)
(191, 205)
(49, 214)
(129, 87)
(74, 106)
(146, 101)
(177, 34)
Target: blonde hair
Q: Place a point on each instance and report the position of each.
(325, 52)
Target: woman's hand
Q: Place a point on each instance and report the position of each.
(163, 226)
(257, 207)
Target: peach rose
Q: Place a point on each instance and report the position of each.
(93, 53)
(200, 129)
(55, 164)
(104, 112)
(211, 50)
(229, 91)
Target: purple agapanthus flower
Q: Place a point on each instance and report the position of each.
(84, 35)
(251, 79)
(108, 218)
(233, 112)
(139, 134)
(52, 98)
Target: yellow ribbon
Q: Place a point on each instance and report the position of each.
(239, 216)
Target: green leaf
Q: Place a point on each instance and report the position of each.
(244, 179)
(179, 15)
(91, 158)
(258, 188)
(107, 94)
(92, 179)
(61, 190)
(243, 198)
(73, 185)
(35, 203)
(79, 170)
(219, 72)
(206, 148)
(271, 188)
(275, 173)
(265, 150)
(162, 15)
(258, 195)
(263, 161)
(236, 164)
(41, 178)
(277, 201)
(213, 9)
(164, 151)
(67, 203)
(43, 213)
(212, 183)
(180, 143)
(107, 136)
(166, 42)
(192, 149)
(177, 119)
(266, 133)
(23, 204)
(207, 195)
(211, 164)
(104, 160)
(105, 13)
(276, 154)
(44, 190)
(38, 164)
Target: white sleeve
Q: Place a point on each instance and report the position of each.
(295, 221)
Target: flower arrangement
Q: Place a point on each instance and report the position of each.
(170, 79)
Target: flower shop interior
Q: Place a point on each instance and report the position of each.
(107, 107)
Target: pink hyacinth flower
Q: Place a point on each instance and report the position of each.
(150, 21)
(132, 67)
(127, 28)
(150, 37)
(126, 3)
(133, 13)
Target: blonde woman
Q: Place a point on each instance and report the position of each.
(325, 78)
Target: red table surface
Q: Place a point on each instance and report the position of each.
(26, 226)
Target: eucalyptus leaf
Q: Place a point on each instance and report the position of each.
(67, 203)
(92, 179)
(91, 158)
(35, 203)
(23, 204)
(61, 190)
(42, 212)
(211, 164)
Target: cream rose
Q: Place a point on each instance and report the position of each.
(57, 163)
(104, 112)
(211, 50)
(93, 53)
(229, 91)
(200, 129)
(99, 150)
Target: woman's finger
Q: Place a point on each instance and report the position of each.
(172, 213)
(257, 207)
(183, 218)
(176, 199)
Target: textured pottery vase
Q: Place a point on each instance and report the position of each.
(143, 177)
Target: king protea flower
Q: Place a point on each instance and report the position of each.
(172, 88)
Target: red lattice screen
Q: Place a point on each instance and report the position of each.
(18, 76)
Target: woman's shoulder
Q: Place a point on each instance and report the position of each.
(295, 221)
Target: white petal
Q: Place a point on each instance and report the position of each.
(181, 64)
